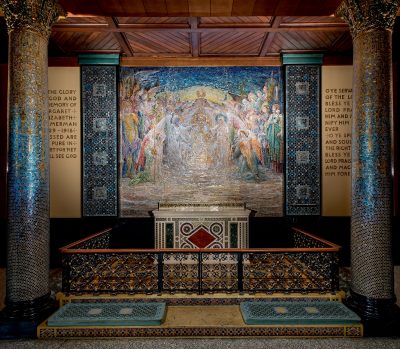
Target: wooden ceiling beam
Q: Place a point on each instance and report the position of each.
(120, 37)
(161, 55)
(200, 61)
(194, 36)
(316, 24)
(233, 25)
(199, 8)
(155, 7)
(193, 8)
(177, 8)
(221, 7)
(96, 51)
(242, 8)
(159, 28)
(269, 37)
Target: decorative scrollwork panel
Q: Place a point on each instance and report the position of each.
(100, 272)
(219, 272)
(285, 272)
(180, 272)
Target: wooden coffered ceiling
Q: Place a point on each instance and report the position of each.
(204, 36)
(199, 29)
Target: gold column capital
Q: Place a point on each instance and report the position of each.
(365, 15)
(37, 15)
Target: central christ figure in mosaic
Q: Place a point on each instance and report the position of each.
(201, 135)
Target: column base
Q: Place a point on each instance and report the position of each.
(20, 319)
(381, 317)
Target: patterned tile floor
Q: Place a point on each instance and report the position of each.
(174, 343)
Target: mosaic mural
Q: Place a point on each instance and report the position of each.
(201, 135)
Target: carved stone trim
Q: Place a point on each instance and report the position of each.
(37, 15)
(364, 15)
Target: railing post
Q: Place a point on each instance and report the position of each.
(240, 272)
(334, 272)
(160, 273)
(200, 271)
(66, 273)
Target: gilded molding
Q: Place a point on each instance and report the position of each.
(37, 15)
(365, 15)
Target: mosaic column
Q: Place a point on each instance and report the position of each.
(371, 23)
(29, 24)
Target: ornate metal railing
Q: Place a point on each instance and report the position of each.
(90, 266)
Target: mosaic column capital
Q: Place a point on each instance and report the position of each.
(36, 15)
(365, 15)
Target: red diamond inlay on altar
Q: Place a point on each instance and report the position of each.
(201, 237)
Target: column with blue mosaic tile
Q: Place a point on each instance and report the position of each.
(29, 27)
(302, 75)
(99, 134)
(372, 286)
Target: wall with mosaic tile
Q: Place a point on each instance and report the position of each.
(99, 136)
(156, 102)
(302, 139)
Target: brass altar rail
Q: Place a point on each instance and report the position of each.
(90, 266)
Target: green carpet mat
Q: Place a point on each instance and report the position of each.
(109, 314)
(297, 313)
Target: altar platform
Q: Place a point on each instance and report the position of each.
(203, 289)
(214, 316)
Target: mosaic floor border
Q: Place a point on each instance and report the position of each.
(270, 331)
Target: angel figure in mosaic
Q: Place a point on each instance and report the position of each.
(248, 155)
(221, 145)
(274, 133)
(149, 162)
(130, 141)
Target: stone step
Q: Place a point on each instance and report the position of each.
(202, 321)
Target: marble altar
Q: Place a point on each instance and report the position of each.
(201, 225)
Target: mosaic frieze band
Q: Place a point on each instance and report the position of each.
(28, 164)
(99, 110)
(302, 139)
